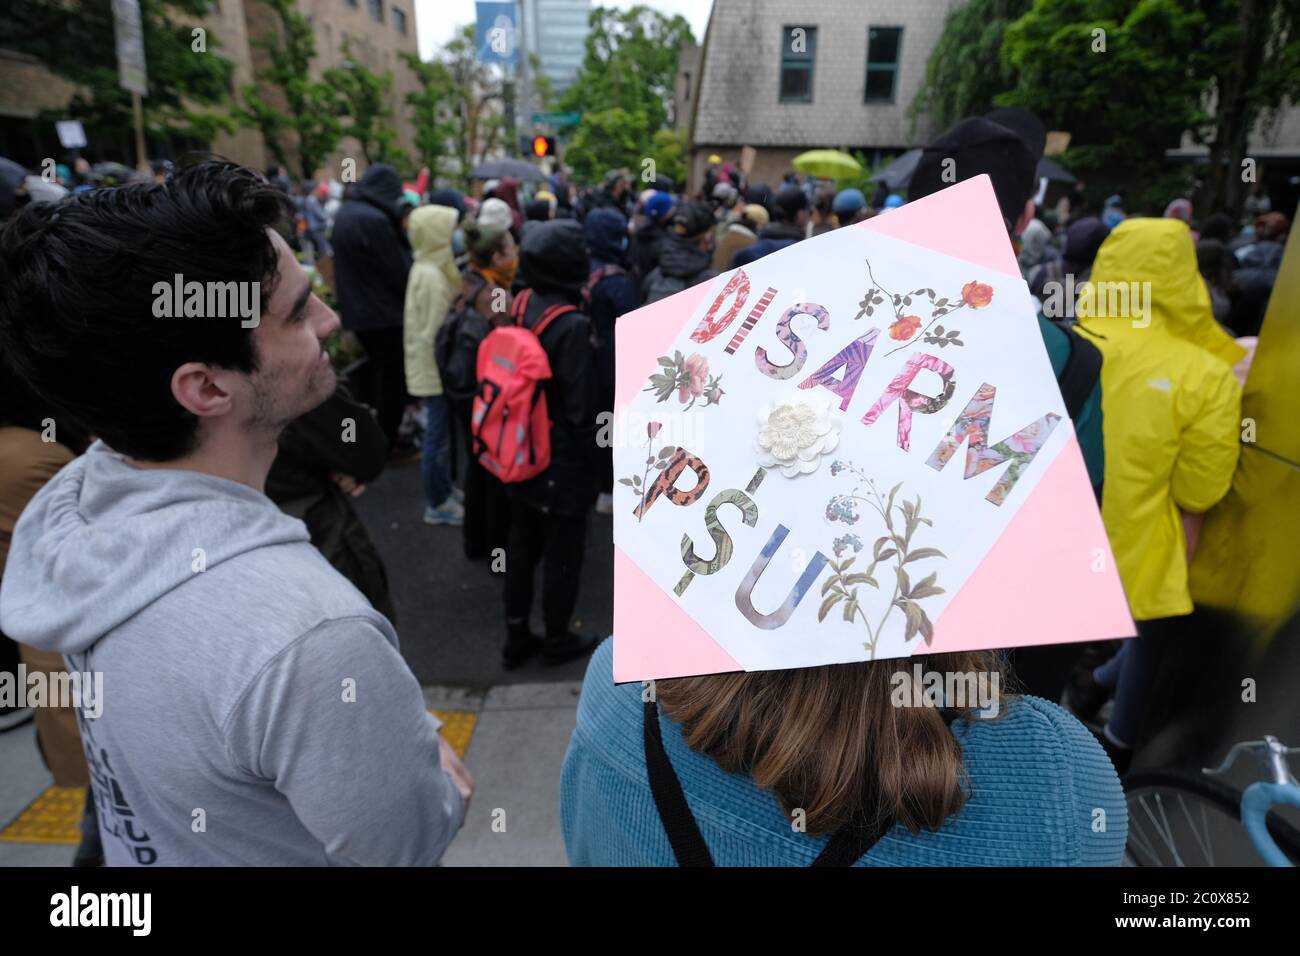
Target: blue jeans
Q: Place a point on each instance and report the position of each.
(1132, 674)
(434, 468)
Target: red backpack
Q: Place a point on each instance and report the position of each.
(510, 423)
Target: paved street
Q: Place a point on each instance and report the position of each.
(449, 609)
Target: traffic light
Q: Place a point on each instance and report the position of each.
(543, 146)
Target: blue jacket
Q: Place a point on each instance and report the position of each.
(1036, 777)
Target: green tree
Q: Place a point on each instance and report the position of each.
(474, 87)
(188, 78)
(607, 139)
(1115, 74)
(1211, 67)
(965, 70)
(668, 150)
(627, 76)
(363, 96)
(292, 106)
(543, 85)
(1251, 54)
(432, 103)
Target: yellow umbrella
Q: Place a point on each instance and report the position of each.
(828, 164)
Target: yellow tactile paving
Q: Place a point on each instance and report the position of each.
(55, 816)
(457, 727)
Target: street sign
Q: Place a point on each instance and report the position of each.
(557, 119)
(72, 135)
(130, 46)
(496, 33)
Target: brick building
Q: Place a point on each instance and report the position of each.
(376, 31)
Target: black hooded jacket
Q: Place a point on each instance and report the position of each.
(556, 262)
(372, 256)
(682, 264)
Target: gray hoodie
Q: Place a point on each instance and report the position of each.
(255, 708)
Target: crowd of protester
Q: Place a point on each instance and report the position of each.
(245, 424)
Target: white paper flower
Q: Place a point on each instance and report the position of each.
(795, 432)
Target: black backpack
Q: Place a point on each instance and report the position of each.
(455, 348)
(1081, 372)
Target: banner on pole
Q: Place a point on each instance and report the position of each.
(130, 46)
(496, 33)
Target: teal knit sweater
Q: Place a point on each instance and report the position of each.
(1037, 780)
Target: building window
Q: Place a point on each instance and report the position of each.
(798, 50)
(883, 45)
(351, 3)
(399, 21)
(376, 8)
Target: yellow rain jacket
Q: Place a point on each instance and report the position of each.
(1170, 403)
(433, 284)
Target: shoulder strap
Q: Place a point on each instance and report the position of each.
(675, 813)
(845, 847)
(520, 306)
(550, 315)
(1082, 369)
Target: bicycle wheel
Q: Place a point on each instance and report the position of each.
(1182, 818)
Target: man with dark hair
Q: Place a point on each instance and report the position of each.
(789, 224)
(548, 513)
(249, 686)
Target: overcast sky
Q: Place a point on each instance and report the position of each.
(437, 20)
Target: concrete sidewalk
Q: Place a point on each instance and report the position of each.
(512, 738)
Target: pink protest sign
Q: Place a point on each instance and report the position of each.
(853, 449)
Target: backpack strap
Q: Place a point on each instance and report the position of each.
(519, 307)
(1081, 371)
(845, 847)
(674, 812)
(596, 277)
(548, 316)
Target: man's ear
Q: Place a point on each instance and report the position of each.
(1026, 215)
(202, 390)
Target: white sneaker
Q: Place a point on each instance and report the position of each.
(450, 512)
(605, 503)
(458, 495)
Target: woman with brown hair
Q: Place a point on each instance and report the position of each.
(847, 764)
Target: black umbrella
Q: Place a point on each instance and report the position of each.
(1051, 169)
(501, 168)
(899, 173)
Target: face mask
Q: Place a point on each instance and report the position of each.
(1112, 218)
